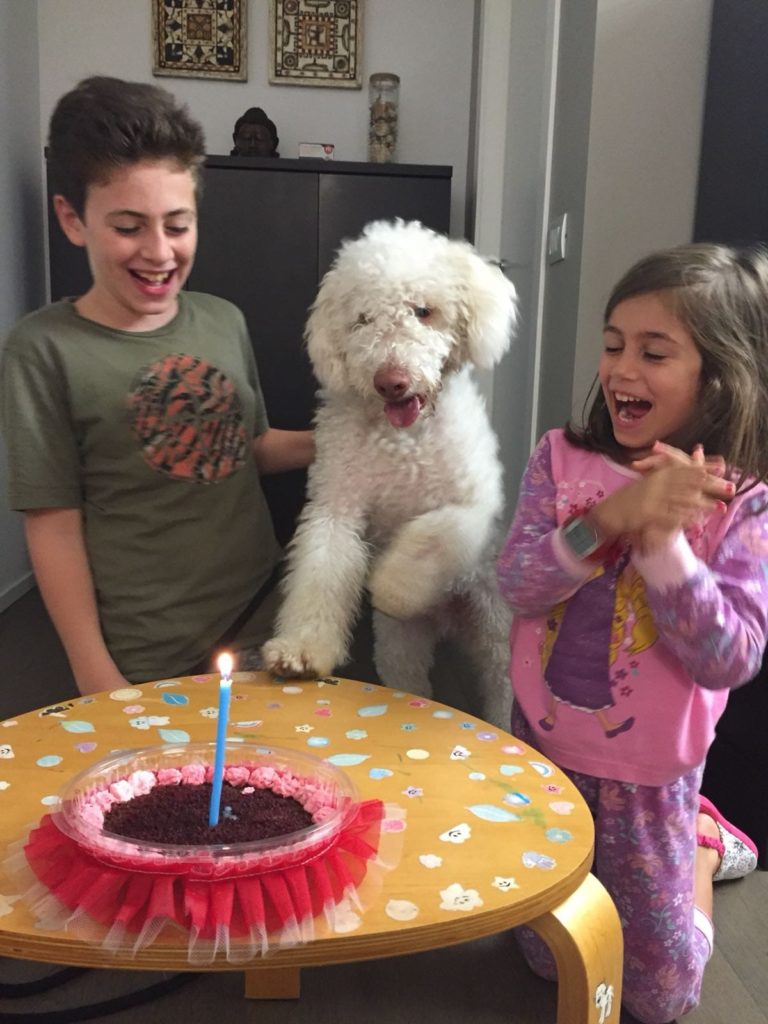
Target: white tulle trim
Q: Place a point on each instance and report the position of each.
(51, 914)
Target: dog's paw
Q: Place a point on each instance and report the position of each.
(416, 571)
(292, 660)
(402, 592)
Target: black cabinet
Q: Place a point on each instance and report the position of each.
(268, 232)
(732, 207)
(737, 763)
(732, 199)
(258, 248)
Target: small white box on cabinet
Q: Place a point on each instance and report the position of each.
(319, 150)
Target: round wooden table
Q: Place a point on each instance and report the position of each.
(495, 835)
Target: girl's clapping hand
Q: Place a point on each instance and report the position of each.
(675, 491)
(713, 493)
(665, 454)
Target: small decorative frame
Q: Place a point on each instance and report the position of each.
(200, 38)
(315, 42)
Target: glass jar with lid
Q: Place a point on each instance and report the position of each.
(383, 100)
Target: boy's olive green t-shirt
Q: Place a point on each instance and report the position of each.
(150, 434)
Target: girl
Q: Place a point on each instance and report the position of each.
(638, 571)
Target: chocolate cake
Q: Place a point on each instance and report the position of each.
(179, 815)
(169, 806)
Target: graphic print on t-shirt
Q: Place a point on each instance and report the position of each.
(188, 419)
(584, 635)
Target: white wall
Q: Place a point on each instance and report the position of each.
(428, 43)
(571, 149)
(644, 139)
(520, 78)
(644, 130)
(21, 238)
(47, 46)
(623, 164)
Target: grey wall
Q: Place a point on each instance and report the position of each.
(644, 142)
(625, 146)
(571, 147)
(82, 37)
(47, 46)
(518, 58)
(622, 163)
(21, 239)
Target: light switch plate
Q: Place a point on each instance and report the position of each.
(557, 237)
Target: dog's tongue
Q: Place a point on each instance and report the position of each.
(403, 414)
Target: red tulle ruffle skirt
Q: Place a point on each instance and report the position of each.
(235, 906)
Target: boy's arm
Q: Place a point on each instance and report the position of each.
(277, 451)
(57, 551)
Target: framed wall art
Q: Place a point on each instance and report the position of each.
(315, 42)
(200, 38)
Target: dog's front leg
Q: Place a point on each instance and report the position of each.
(426, 556)
(327, 565)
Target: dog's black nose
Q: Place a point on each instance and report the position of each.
(391, 384)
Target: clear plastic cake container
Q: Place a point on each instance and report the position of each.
(324, 781)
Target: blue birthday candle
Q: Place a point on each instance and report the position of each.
(225, 692)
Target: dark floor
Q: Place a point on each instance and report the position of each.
(482, 982)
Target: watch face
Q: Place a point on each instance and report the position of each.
(581, 538)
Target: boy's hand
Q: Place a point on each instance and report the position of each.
(95, 671)
(100, 682)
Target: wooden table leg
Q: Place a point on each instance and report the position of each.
(584, 934)
(273, 983)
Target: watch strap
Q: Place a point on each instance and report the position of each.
(583, 539)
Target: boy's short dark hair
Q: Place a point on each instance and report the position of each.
(106, 123)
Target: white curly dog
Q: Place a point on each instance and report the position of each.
(405, 491)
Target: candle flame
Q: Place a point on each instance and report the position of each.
(225, 666)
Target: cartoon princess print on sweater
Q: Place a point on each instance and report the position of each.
(584, 636)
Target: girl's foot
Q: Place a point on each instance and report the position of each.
(617, 730)
(735, 852)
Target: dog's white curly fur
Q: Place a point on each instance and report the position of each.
(405, 491)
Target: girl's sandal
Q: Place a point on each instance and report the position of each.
(738, 854)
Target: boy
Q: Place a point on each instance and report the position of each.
(135, 424)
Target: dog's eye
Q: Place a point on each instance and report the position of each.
(362, 320)
(422, 312)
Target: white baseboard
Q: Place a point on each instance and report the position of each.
(16, 590)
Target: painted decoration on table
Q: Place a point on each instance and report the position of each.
(490, 812)
(604, 994)
(315, 42)
(200, 38)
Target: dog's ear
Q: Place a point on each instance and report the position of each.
(322, 344)
(489, 302)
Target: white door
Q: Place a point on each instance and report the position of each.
(535, 82)
(515, 116)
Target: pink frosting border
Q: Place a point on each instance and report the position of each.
(314, 797)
